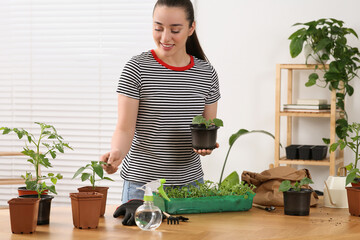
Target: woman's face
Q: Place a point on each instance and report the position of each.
(171, 30)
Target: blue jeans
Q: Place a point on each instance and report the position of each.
(130, 190)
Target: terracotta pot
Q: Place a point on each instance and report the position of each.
(23, 191)
(353, 195)
(86, 209)
(102, 190)
(357, 184)
(23, 214)
(44, 208)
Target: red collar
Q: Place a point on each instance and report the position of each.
(191, 64)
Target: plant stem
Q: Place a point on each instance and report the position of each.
(222, 171)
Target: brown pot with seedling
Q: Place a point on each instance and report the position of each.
(37, 149)
(96, 174)
(352, 141)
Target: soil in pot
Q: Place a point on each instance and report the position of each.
(23, 191)
(23, 214)
(297, 203)
(202, 137)
(86, 209)
(102, 190)
(305, 152)
(44, 208)
(292, 151)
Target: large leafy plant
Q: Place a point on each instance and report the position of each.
(328, 40)
(352, 141)
(53, 143)
(232, 140)
(286, 185)
(95, 169)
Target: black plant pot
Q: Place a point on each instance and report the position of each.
(305, 152)
(202, 137)
(319, 152)
(292, 151)
(44, 208)
(297, 203)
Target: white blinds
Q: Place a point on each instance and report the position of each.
(59, 64)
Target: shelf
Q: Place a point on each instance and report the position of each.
(305, 114)
(302, 66)
(325, 162)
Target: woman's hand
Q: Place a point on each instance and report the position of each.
(113, 161)
(204, 152)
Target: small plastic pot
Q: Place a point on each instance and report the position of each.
(23, 191)
(44, 208)
(319, 152)
(305, 152)
(292, 151)
(297, 203)
(23, 215)
(202, 137)
(102, 190)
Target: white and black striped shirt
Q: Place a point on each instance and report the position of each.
(169, 99)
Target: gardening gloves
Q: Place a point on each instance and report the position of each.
(128, 209)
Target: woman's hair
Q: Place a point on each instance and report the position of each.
(192, 44)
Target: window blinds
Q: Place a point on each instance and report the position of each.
(59, 64)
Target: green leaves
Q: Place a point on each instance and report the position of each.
(199, 119)
(296, 46)
(95, 169)
(286, 185)
(312, 79)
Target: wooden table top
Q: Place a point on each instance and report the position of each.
(321, 224)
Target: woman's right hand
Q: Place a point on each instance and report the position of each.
(113, 160)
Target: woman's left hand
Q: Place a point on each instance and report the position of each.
(204, 152)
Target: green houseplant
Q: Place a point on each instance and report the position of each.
(296, 198)
(328, 39)
(204, 132)
(94, 174)
(52, 142)
(352, 141)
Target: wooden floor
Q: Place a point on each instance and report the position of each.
(323, 223)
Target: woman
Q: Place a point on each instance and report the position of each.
(160, 91)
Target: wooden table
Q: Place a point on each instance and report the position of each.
(321, 224)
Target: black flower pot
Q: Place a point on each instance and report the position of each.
(319, 152)
(292, 151)
(202, 137)
(297, 203)
(44, 208)
(305, 152)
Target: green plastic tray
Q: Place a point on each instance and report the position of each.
(204, 204)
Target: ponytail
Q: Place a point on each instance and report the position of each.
(192, 44)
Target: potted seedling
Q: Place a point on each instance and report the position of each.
(204, 132)
(51, 142)
(95, 173)
(296, 198)
(352, 141)
(328, 40)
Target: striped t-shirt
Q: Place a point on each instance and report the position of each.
(169, 97)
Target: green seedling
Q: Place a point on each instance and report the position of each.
(199, 119)
(37, 158)
(96, 169)
(286, 185)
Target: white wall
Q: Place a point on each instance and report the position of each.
(244, 40)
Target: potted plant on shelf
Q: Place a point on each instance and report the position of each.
(96, 174)
(352, 141)
(296, 198)
(39, 184)
(328, 40)
(204, 132)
